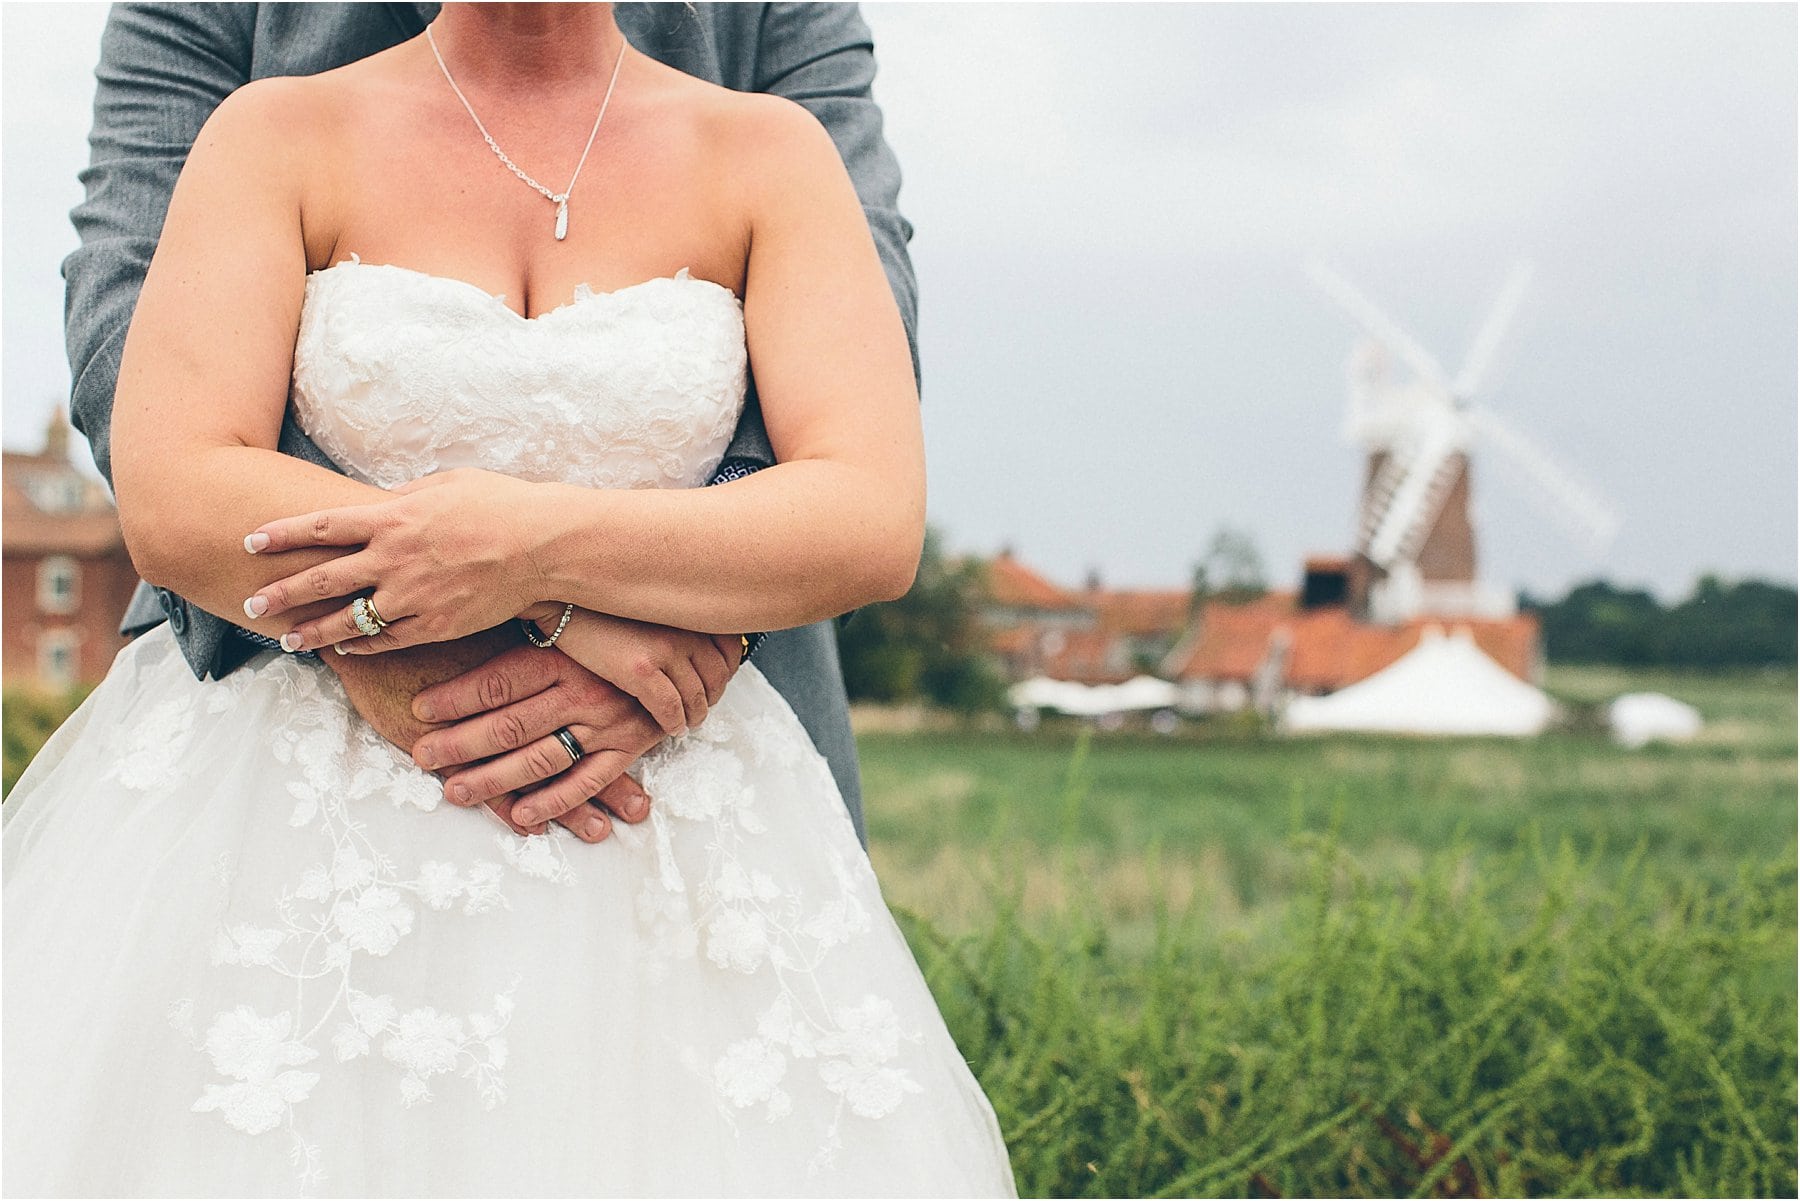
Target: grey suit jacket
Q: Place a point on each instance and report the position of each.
(165, 67)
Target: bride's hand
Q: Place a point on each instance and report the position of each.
(445, 556)
(676, 675)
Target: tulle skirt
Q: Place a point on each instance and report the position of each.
(248, 953)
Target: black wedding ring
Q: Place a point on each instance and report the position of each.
(569, 744)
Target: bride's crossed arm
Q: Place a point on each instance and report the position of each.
(203, 386)
(203, 380)
(838, 522)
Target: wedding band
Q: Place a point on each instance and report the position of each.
(569, 744)
(363, 614)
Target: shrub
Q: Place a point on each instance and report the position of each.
(29, 717)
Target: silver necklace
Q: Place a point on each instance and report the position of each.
(559, 199)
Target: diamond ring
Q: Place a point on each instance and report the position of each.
(362, 612)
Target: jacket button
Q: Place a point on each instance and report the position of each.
(177, 611)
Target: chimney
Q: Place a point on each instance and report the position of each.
(56, 436)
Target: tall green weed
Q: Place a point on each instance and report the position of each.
(1634, 1035)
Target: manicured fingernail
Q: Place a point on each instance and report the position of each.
(424, 757)
(256, 542)
(256, 606)
(459, 794)
(593, 827)
(424, 711)
(291, 642)
(527, 817)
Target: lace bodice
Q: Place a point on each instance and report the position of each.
(398, 374)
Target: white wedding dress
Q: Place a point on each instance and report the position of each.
(249, 952)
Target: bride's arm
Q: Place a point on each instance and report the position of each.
(838, 522)
(204, 377)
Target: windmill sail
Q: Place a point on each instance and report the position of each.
(1412, 524)
(1430, 468)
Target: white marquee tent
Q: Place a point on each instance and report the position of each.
(1636, 718)
(1083, 700)
(1444, 685)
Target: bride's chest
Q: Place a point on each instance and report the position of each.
(398, 374)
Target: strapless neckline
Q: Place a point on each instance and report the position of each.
(399, 373)
(584, 293)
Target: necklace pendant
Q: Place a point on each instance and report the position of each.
(562, 220)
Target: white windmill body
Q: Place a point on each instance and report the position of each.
(1415, 542)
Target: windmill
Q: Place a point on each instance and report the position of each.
(1415, 542)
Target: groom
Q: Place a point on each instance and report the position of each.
(164, 68)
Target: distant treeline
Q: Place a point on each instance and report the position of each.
(1750, 623)
(928, 645)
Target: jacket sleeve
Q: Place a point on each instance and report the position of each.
(163, 69)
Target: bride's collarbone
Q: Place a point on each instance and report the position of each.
(656, 196)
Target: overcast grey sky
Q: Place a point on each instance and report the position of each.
(1113, 204)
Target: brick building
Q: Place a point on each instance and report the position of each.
(1092, 635)
(66, 576)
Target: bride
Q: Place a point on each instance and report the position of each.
(247, 951)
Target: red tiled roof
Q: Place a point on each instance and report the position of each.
(1016, 586)
(1163, 611)
(1329, 651)
(1326, 648)
(1230, 639)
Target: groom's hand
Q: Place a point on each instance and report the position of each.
(382, 688)
(505, 716)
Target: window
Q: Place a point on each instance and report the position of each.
(62, 493)
(59, 584)
(59, 659)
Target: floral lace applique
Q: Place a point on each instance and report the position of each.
(744, 920)
(354, 902)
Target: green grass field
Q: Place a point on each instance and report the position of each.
(1220, 806)
(1229, 964)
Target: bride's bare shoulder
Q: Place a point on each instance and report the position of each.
(755, 143)
(277, 124)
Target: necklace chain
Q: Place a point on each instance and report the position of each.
(559, 199)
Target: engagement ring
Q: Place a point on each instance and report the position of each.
(362, 612)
